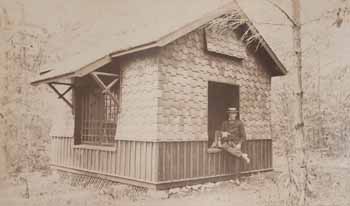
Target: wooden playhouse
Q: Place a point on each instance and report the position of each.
(144, 111)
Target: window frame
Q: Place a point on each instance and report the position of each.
(90, 86)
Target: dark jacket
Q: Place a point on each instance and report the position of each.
(236, 130)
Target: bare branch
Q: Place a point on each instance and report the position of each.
(270, 23)
(283, 12)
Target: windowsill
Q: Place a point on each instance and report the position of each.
(213, 150)
(95, 147)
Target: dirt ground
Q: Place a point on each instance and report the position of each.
(330, 181)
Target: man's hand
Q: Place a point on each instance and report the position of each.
(225, 134)
(238, 146)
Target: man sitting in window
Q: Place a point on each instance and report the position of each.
(231, 135)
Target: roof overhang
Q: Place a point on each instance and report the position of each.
(48, 77)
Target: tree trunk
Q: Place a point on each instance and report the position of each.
(300, 161)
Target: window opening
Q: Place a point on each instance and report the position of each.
(98, 107)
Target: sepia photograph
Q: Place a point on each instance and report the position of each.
(182, 102)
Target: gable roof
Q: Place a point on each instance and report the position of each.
(155, 25)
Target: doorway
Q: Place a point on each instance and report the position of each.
(220, 97)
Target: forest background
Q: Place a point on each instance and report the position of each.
(34, 33)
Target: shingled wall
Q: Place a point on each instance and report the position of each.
(186, 67)
(137, 119)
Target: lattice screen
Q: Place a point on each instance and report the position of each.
(98, 117)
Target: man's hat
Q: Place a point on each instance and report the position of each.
(232, 110)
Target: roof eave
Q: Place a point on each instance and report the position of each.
(79, 73)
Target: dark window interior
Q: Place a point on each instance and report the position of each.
(220, 97)
(96, 112)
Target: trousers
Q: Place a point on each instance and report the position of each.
(232, 149)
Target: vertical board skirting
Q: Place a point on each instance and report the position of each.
(131, 159)
(159, 161)
(186, 160)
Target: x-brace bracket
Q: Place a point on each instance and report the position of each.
(61, 95)
(106, 89)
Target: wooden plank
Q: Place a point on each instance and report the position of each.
(117, 158)
(170, 157)
(159, 159)
(77, 153)
(88, 159)
(258, 145)
(219, 159)
(252, 163)
(71, 151)
(52, 151)
(128, 158)
(92, 162)
(191, 156)
(162, 150)
(264, 151)
(114, 159)
(65, 157)
(142, 164)
(63, 141)
(155, 166)
(144, 161)
(195, 158)
(98, 159)
(185, 160)
(149, 161)
(84, 159)
(270, 155)
(137, 159)
(132, 159)
(59, 152)
(177, 160)
(245, 150)
(188, 160)
(216, 163)
(250, 149)
(105, 161)
(173, 160)
(108, 161)
(74, 163)
(122, 164)
(181, 161)
(92, 155)
(113, 162)
(167, 171)
(205, 158)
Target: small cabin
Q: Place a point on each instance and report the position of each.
(144, 111)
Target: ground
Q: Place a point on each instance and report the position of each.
(330, 180)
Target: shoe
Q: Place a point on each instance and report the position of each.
(213, 145)
(237, 182)
(246, 158)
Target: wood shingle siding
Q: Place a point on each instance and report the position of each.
(185, 69)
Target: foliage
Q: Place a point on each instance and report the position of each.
(24, 125)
